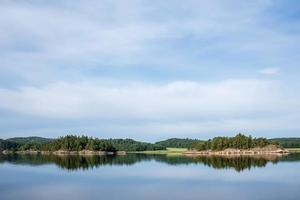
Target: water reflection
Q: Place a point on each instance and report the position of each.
(238, 163)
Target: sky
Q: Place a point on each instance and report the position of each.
(149, 70)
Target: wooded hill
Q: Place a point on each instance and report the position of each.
(239, 141)
(178, 143)
(77, 143)
(190, 143)
(30, 140)
(287, 142)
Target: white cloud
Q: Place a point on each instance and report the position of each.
(177, 107)
(270, 71)
(38, 40)
(55, 45)
(182, 99)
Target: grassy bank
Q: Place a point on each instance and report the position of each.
(173, 151)
(294, 150)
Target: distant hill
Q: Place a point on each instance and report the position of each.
(287, 142)
(178, 143)
(29, 140)
(75, 143)
(36, 143)
(132, 145)
(7, 145)
(189, 143)
(23, 143)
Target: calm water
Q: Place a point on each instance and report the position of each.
(137, 176)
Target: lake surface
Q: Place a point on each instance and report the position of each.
(159, 177)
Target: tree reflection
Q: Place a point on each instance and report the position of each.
(238, 163)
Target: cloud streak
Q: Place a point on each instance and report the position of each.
(181, 99)
(182, 107)
(145, 67)
(39, 41)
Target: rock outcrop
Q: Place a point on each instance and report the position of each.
(270, 149)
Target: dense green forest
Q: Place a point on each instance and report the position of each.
(287, 142)
(4, 144)
(132, 145)
(30, 140)
(178, 143)
(26, 143)
(76, 143)
(239, 141)
(192, 143)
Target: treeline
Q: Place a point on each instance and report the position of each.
(78, 143)
(192, 143)
(178, 143)
(29, 140)
(23, 143)
(132, 145)
(4, 144)
(287, 142)
(239, 141)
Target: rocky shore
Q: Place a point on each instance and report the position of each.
(64, 152)
(270, 149)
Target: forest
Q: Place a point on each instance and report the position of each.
(239, 141)
(4, 144)
(77, 143)
(287, 142)
(178, 143)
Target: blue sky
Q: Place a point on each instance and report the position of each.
(150, 70)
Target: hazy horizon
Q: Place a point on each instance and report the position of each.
(150, 70)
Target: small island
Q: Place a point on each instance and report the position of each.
(237, 145)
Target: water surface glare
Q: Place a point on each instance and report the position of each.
(139, 176)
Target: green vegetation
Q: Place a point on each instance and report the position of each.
(170, 146)
(240, 141)
(287, 142)
(132, 145)
(27, 143)
(7, 145)
(76, 143)
(30, 140)
(178, 143)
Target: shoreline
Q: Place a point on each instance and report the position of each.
(65, 153)
(269, 150)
